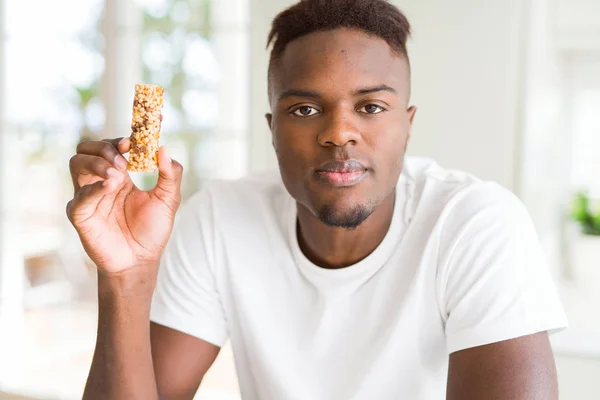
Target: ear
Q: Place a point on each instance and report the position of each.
(411, 117)
(269, 118)
(411, 114)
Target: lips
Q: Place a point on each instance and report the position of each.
(342, 174)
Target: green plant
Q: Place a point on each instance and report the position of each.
(583, 213)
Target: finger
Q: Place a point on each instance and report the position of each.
(85, 202)
(114, 178)
(121, 144)
(124, 145)
(87, 170)
(170, 172)
(106, 150)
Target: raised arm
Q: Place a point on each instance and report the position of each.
(124, 231)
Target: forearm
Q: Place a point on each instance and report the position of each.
(122, 365)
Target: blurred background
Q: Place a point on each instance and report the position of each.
(508, 90)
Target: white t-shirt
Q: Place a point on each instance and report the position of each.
(460, 266)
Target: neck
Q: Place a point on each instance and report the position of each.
(333, 247)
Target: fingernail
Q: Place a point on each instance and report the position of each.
(121, 163)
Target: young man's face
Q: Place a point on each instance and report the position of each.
(340, 122)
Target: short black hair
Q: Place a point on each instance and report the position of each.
(378, 18)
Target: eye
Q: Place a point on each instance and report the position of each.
(305, 111)
(371, 109)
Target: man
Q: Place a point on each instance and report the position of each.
(350, 274)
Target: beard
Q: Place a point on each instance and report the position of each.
(349, 218)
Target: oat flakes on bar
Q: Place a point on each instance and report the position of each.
(145, 128)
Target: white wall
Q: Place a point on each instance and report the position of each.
(466, 63)
(579, 15)
(578, 378)
(578, 24)
(262, 13)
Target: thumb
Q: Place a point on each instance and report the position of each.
(170, 172)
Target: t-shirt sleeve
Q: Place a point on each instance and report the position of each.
(495, 282)
(186, 297)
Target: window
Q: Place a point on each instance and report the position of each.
(197, 50)
(52, 82)
(70, 68)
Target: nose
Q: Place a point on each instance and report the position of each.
(339, 130)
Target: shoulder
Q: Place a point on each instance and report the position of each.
(455, 208)
(456, 195)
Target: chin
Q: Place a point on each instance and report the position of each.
(347, 216)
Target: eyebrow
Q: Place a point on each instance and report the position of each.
(375, 89)
(299, 93)
(317, 95)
